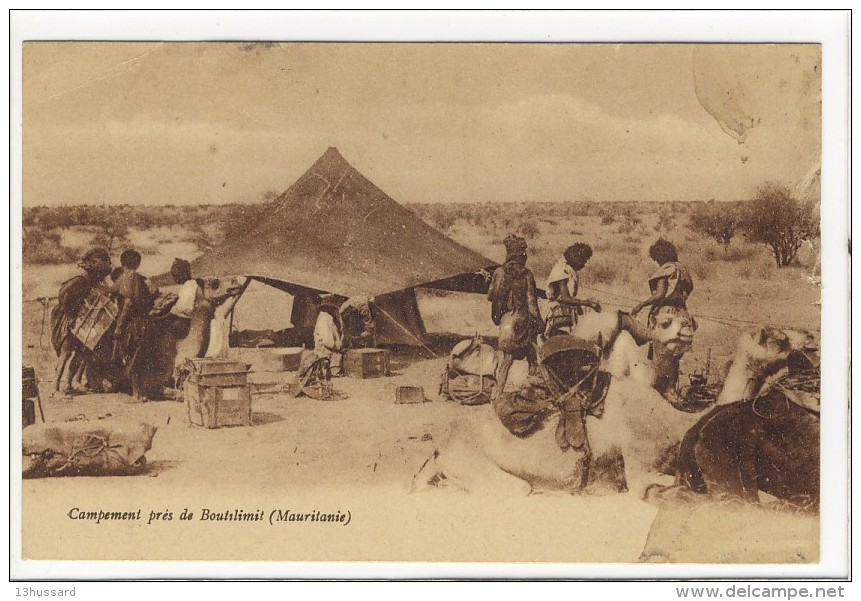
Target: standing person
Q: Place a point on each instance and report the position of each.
(562, 288)
(135, 302)
(190, 294)
(190, 319)
(360, 329)
(514, 308)
(96, 264)
(328, 333)
(670, 286)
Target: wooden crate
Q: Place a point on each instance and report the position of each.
(210, 371)
(217, 393)
(217, 406)
(409, 395)
(366, 363)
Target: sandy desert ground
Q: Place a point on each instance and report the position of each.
(359, 454)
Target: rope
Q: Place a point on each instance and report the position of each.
(93, 446)
(725, 321)
(410, 334)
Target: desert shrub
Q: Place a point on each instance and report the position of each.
(666, 221)
(601, 270)
(718, 221)
(111, 236)
(779, 221)
(607, 219)
(443, 221)
(529, 229)
(632, 218)
(626, 228)
(44, 247)
(202, 239)
(578, 209)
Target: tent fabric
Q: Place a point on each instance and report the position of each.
(398, 319)
(333, 231)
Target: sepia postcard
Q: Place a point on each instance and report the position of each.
(552, 306)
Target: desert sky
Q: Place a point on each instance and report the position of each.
(189, 123)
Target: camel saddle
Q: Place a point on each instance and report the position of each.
(571, 384)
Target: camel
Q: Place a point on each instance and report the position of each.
(479, 455)
(768, 441)
(759, 355)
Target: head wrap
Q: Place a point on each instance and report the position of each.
(180, 270)
(96, 261)
(515, 247)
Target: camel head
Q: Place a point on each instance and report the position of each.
(760, 354)
(218, 289)
(766, 350)
(673, 333)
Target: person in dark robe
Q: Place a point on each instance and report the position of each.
(360, 328)
(514, 308)
(135, 302)
(96, 264)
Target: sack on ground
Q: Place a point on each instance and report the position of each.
(83, 448)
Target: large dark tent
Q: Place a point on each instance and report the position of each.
(334, 231)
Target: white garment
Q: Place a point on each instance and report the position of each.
(327, 338)
(188, 295)
(563, 272)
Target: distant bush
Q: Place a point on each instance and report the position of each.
(718, 221)
(443, 220)
(626, 228)
(112, 235)
(601, 271)
(40, 247)
(780, 222)
(608, 219)
(529, 229)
